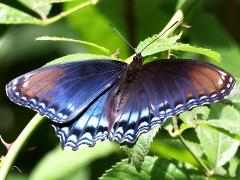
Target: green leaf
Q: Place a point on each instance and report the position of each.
(234, 96)
(229, 120)
(168, 125)
(80, 57)
(10, 15)
(170, 148)
(198, 113)
(53, 38)
(40, 7)
(162, 44)
(188, 48)
(195, 147)
(139, 151)
(153, 168)
(52, 1)
(233, 165)
(60, 163)
(218, 147)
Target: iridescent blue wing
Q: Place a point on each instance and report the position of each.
(62, 91)
(163, 89)
(87, 128)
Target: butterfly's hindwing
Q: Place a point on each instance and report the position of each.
(87, 128)
(135, 117)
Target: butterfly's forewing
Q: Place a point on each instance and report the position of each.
(62, 91)
(165, 88)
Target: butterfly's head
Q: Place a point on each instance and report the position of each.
(138, 58)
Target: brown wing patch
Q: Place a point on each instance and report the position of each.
(41, 83)
(205, 79)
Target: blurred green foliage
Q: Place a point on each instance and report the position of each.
(215, 139)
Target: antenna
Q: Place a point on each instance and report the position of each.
(160, 35)
(123, 38)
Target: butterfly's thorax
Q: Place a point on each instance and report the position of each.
(119, 96)
(134, 68)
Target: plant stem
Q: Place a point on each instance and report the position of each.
(201, 163)
(18, 144)
(175, 125)
(65, 13)
(177, 133)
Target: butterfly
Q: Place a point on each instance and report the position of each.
(98, 99)
(94, 100)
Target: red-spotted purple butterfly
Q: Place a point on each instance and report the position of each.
(95, 100)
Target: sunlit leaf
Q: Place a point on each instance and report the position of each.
(198, 113)
(188, 48)
(229, 120)
(10, 15)
(52, 1)
(159, 45)
(79, 57)
(170, 43)
(235, 94)
(52, 38)
(218, 147)
(172, 149)
(40, 7)
(233, 165)
(194, 147)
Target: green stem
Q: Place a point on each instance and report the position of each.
(65, 13)
(168, 54)
(175, 125)
(200, 162)
(18, 144)
(177, 133)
